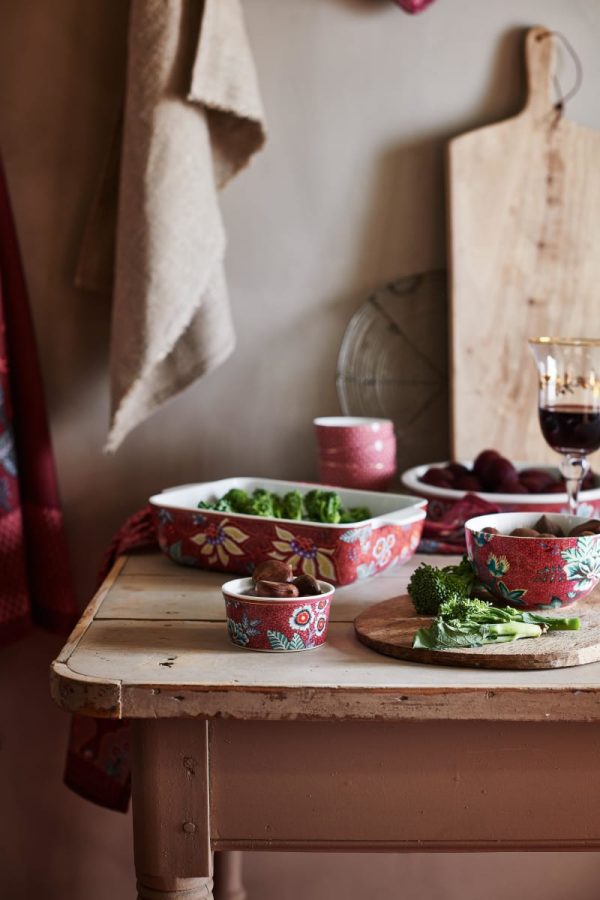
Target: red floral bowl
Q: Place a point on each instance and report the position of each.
(533, 571)
(351, 432)
(274, 625)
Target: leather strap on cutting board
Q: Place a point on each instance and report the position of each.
(524, 240)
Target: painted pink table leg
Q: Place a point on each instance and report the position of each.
(171, 828)
(228, 876)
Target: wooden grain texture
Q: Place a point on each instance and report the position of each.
(173, 667)
(405, 786)
(390, 627)
(524, 241)
(171, 819)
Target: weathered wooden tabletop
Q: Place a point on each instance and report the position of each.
(338, 748)
(153, 643)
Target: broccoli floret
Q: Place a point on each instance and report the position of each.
(261, 503)
(292, 506)
(355, 514)
(323, 506)
(430, 587)
(239, 500)
(316, 506)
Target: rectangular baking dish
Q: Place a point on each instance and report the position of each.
(235, 542)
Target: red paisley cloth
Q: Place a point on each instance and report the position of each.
(98, 765)
(446, 532)
(35, 580)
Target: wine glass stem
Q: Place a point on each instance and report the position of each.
(573, 469)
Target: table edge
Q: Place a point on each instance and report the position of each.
(87, 695)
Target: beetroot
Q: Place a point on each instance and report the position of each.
(500, 471)
(482, 462)
(468, 483)
(536, 481)
(457, 469)
(438, 478)
(510, 487)
(493, 473)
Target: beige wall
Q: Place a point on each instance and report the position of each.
(360, 99)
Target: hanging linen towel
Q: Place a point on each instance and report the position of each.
(193, 117)
(35, 582)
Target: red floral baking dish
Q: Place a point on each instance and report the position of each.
(235, 542)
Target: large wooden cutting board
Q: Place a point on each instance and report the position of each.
(524, 236)
(389, 628)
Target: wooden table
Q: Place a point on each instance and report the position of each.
(334, 749)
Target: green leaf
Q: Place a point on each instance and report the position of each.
(278, 641)
(446, 636)
(297, 643)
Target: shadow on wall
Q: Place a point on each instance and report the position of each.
(73, 325)
(404, 228)
(409, 179)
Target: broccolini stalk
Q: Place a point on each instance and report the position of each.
(469, 622)
(470, 609)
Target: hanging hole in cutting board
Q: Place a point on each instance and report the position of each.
(393, 364)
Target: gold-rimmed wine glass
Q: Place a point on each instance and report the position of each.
(569, 403)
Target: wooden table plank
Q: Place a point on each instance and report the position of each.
(199, 598)
(151, 586)
(139, 655)
(404, 786)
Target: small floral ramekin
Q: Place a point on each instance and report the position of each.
(533, 571)
(272, 624)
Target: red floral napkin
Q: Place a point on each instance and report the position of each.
(97, 766)
(447, 534)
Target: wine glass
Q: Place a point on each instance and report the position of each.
(569, 403)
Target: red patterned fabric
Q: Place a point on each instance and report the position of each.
(447, 533)
(97, 766)
(35, 581)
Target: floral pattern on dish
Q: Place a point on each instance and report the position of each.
(219, 541)
(582, 563)
(303, 555)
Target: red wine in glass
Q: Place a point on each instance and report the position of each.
(571, 429)
(569, 403)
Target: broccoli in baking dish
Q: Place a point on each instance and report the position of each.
(315, 506)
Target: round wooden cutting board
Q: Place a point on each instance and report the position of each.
(389, 628)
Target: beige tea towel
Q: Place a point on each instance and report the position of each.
(193, 117)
